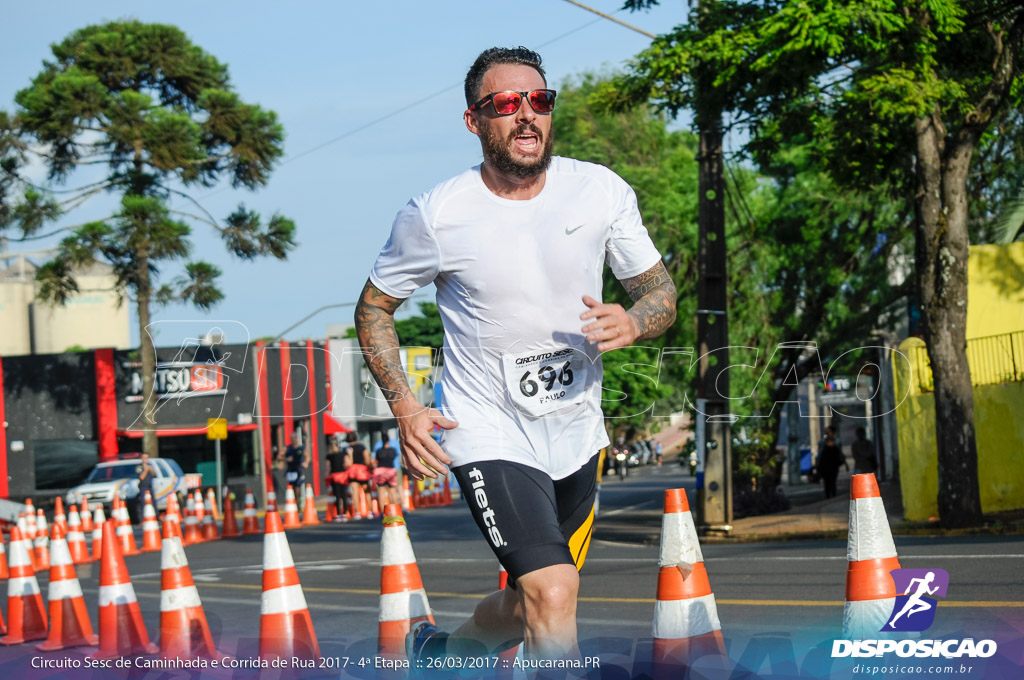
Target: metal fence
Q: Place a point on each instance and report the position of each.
(993, 360)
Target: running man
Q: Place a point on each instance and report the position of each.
(516, 247)
(914, 603)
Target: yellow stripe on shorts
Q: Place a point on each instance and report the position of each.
(580, 541)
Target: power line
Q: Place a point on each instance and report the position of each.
(391, 114)
(609, 17)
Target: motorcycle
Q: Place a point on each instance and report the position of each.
(620, 456)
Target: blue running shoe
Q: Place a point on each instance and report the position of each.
(424, 641)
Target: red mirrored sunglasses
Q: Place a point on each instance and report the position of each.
(508, 102)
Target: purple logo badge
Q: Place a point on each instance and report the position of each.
(914, 609)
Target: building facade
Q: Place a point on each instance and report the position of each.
(92, 318)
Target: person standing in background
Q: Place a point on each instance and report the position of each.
(864, 460)
(830, 459)
(385, 476)
(146, 474)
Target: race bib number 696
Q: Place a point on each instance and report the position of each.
(540, 382)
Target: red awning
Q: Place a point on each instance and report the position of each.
(332, 426)
(182, 431)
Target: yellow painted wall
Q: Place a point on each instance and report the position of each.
(995, 290)
(1000, 435)
(424, 355)
(995, 306)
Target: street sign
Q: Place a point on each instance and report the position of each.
(217, 428)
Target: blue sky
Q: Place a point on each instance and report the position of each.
(328, 68)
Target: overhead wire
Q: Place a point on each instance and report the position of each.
(422, 100)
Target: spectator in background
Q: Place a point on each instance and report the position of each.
(337, 479)
(830, 459)
(146, 474)
(296, 462)
(278, 471)
(864, 460)
(385, 475)
(358, 467)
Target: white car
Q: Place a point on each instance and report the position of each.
(121, 477)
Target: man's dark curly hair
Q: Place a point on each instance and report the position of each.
(492, 57)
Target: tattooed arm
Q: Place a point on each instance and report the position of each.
(653, 311)
(375, 328)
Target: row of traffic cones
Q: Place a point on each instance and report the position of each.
(686, 626)
(686, 623)
(286, 629)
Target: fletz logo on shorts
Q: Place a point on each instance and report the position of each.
(913, 611)
(480, 496)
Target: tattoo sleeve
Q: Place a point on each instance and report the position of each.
(375, 328)
(654, 301)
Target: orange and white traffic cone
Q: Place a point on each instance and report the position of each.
(22, 525)
(98, 520)
(184, 632)
(76, 539)
(69, 619)
(403, 601)
(200, 511)
(374, 504)
(122, 631)
(332, 508)
(59, 518)
(286, 629)
(229, 527)
(407, 505)
(309, 515)
(271, 501)
(364, 506)
(125, 533)
(250, 522)
(42, 542)
(26, 614)
(192, 534)
(686, 624)
(85, 517)
(291, 510)
(5, 571)
(352, 512)
(30, 519)
(209, 527)
(211, 504)
(150, 526)
(173, 512)
(871, 553)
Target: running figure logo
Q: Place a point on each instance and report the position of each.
(914, 610)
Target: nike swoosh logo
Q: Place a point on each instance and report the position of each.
(574, 229)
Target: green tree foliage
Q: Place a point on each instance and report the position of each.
(157, 116)
(424, 330)
(808, 259)
(659, 164)
(895, 93)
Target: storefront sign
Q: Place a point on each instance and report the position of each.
(179, 380)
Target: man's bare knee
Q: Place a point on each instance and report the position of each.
(551, 591)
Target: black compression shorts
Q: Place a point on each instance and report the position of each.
(530, 520)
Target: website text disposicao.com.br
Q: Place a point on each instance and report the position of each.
(914, 670)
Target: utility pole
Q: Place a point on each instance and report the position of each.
(714, 487)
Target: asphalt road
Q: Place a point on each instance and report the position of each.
(788, 593)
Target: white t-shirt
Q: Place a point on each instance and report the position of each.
(519, 375)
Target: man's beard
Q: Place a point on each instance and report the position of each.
(498, 155)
